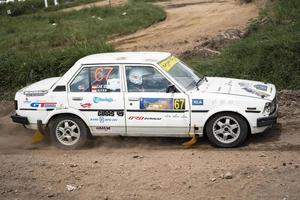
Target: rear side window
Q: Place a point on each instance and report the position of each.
(81, 83)
(97, 79)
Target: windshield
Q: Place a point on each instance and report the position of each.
(180, 72)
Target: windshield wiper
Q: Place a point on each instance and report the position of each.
(199, 81)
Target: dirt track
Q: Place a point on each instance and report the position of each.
(267, 167)
(189, 23)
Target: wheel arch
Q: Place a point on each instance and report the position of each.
(232, 112)
(58, 114)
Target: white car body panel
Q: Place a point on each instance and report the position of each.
(40, 101)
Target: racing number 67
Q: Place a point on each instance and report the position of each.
(179, 104)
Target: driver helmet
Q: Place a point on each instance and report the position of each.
(136, 75)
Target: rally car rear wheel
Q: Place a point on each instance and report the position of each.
(227, 130)
(68, 132)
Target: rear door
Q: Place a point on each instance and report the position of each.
(97, 92)
(150, 110)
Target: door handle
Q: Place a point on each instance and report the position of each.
(133, 99)
(77, 98)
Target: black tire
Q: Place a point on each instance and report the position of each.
(63, 142)
(217, 136)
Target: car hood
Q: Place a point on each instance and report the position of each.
(238, 87)
(43, 85)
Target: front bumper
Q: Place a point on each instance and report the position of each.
(266, 121)
(19, 119)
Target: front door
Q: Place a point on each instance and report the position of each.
(150, 110)
(97, 92)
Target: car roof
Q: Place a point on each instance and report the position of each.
(125, 57)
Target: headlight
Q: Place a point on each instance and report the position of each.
(270, 107)
(267, 109)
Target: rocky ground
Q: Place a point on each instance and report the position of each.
(266, 167)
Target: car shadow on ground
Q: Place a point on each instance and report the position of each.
(256, 141)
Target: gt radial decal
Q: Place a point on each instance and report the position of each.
(169, 63)
(42, 104)
(156, 103)
(197, 102)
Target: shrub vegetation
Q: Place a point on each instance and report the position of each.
(47, 44)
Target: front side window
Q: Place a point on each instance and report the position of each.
(97, 79)
(145, 79)
(180, 72)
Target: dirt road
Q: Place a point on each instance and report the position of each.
(267, 167)
(189, 24)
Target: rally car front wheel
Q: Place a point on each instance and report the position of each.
(68, 132)
(227, 130)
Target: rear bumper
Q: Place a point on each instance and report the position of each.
(19, 119)
(266, 121)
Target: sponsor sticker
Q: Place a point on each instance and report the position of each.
(105, 128)
(86, 105)
(43, 104)
(156, 103)
(197, 102)
(169, 63)
(103, 119)
(162, 104)
(143, 118)
(35, 93)
(110, 113)
(252, 89)
(261, 87)
(99, 99)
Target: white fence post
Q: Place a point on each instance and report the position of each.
(46, 3)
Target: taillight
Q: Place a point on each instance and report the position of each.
(16, 105)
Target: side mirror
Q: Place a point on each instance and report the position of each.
(171, 89)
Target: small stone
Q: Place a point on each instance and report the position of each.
(50, 195)
(228, 175)
(124, 13)
(296, 166)
(73, 165)
(284, 164)
(213, 179)
(137, 156)
(96, 161)
(262, 155)
(71, 188)
(290, 163)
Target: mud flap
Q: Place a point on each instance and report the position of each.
(39, 135)
(192, 141)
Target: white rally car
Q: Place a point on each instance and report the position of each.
(144, 94)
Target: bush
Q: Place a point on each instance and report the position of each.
(41, 45)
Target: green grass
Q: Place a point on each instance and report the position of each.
(271, 53)
(31, 6)
(46, 44)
